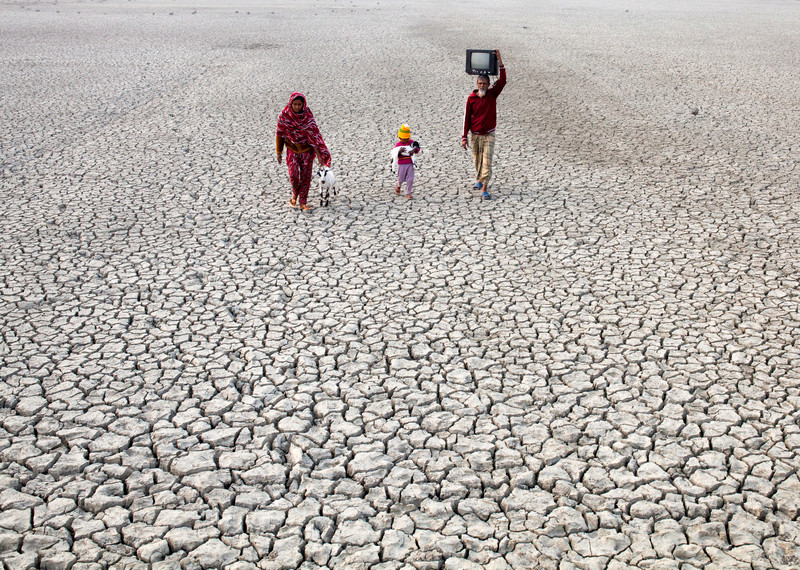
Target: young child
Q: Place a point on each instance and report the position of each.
(405, 160)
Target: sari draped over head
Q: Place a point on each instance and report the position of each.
(301, 129)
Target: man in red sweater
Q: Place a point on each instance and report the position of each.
(480, 119)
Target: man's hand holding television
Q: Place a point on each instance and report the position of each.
(499, 59)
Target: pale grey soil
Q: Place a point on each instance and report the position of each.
(599, 368)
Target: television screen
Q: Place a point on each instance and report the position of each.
(480, 61)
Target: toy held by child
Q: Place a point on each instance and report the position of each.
(404, 160)
(405, 151)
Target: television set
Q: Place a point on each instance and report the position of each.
(481, 62)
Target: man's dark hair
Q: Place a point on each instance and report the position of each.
(484, 76)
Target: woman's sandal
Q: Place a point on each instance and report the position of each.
(293, 202)
(306, 207)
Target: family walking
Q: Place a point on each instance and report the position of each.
(299, 134)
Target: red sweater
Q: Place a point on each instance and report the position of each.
(481, 115)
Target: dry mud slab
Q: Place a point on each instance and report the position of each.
(596, 369)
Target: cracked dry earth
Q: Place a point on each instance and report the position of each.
(596, 369)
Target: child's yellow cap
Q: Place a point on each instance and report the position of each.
(404, 132)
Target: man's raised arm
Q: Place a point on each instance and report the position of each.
(501, 81)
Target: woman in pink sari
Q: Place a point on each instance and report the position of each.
(299, 133)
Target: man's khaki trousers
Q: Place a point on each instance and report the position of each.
(482, 151)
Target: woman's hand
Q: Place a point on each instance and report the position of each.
(321, 160)
(280, 157)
